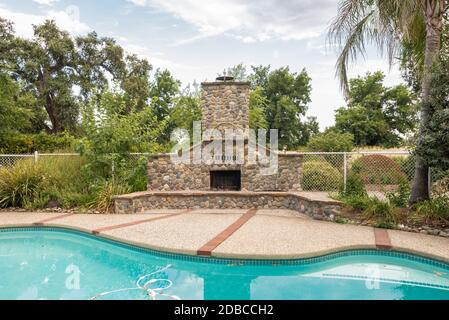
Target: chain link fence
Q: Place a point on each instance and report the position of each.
(326, 172)
(380, 172)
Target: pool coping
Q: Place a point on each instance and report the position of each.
(299, 258)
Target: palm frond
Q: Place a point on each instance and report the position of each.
(383, 23)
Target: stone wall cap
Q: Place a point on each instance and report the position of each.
(197, 193)
(226, 83)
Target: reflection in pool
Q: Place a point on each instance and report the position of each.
(61, 264)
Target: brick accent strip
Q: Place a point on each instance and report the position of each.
(133, 223)
(382, 239)
(42, 222)
(210, 246)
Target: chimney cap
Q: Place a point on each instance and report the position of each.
(225, 78)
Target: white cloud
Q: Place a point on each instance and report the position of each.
(252, 20)
(67, 20)
(46, 2)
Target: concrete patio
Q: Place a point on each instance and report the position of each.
(235, 233)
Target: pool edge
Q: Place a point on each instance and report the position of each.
(258, 259)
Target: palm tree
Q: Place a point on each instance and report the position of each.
(388, 24)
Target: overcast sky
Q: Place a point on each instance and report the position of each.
(197, 39)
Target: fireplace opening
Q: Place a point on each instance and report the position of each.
(226, 180)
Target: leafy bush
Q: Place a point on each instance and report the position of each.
(436, 209)
(441, 187)
(19, 186)
(354, 188)
(28, 143)
(33, 185)
(358, 203)
(379, 210)
(320, 176)
(331, 142)
(401, 196)
(105, 192)
(378, 169)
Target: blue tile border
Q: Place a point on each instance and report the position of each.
(240, 262)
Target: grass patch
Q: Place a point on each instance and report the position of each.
(65, 182)
(434, 210)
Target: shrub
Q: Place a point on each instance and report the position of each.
(358, 203)
(105, 192)
(434, 210)
(28, 143)
(441, 187)
(33, 185)
(381, 211)
(354, 188)
(332, 142)
(21, 184)
(401, 196)
(378, 169)
(319, 175)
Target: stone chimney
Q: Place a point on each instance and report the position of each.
(225, 105)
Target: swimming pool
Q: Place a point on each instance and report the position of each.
(52, 263)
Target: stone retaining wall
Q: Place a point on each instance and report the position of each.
(141, 202)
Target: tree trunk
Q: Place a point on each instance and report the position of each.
(433, 12)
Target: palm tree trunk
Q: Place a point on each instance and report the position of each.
(433, 11)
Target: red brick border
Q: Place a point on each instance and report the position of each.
(210, 246)
(42, 222)
(133, 223)
(382, 239)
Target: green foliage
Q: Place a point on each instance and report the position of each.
(163, 91)
(288, 95)
(30, 185)
(401, 197)
(279, 101)
(359, 203)
(48, 67)
(187, 109)
(436, 209)
(28, 143)
(14, 114)
(441, 185)
(375, 114)
(371, 208)
(354, 188)
(378, 169)
(379, 210)
(108, 143)
(331, 142)
(105, 192)
(257, 108)
(64, 182)
(433, 144)
(320, 175)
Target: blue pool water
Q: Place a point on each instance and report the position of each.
(61, 264)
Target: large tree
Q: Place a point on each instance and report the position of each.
(434, 146)
(375, 114)
(53, 65)
(389, 24)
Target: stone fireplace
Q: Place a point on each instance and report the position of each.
(241, 184)
(225, 105)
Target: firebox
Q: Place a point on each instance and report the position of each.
(226, 180)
